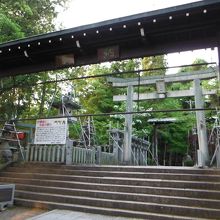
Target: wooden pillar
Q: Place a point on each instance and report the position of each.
(128, 127)
(203, 154)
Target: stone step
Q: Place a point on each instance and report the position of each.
(116, 180)
(125, 205)
(168, 176)
(148, 169)
(75, 184)
(138, 197)
(100, 210)
(139, 192)
(194, 193)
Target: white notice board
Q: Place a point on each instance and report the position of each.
(51, 131)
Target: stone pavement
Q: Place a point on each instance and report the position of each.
(70, 215)
(22, 213)
(19, 213)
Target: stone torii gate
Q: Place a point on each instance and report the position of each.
(160, 81)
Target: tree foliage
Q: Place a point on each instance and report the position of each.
(22, 18)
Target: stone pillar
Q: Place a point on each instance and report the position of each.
(69, 151)
(98, 155)
(155, 150)
(138, 155)
(128, 127)
(146, 157)
(218, 157)
(142, 156)
(203, 154)
(116, 139)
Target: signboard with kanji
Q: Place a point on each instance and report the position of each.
(65, 60)
(51, 131)
(108, 53)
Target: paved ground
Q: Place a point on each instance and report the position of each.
(20, 213)
(70, 215)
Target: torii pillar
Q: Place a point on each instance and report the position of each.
(203, 153)
(128, 127)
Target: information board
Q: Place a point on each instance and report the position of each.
(51, 131)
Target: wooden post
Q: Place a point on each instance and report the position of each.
(203, 154)
(128, 127)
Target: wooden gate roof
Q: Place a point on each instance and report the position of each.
(181, 28)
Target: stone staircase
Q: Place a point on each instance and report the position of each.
(135, 192)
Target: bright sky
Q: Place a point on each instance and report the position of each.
(81, 12)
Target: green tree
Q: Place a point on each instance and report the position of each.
(20, 19)
(156, 62)
(9, 29)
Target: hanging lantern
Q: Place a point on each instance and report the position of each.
(21, 135)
